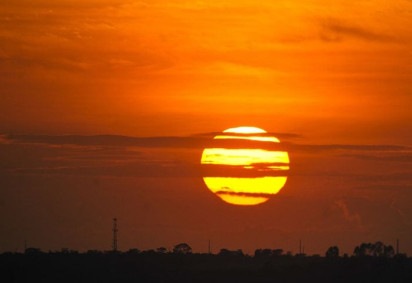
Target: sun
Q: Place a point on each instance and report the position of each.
(245, 166)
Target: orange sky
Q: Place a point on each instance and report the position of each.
(142, 67)
(321, 74)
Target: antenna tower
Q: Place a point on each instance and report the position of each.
(115, 230)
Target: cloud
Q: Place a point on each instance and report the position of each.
(337, 30)
(239, 172)
(400, 212)
(349, 147)
(88, 156)
(127, 169)
(4, 139)
(194, 141)
(75, 35)
(276, 134)
(349, 216)
(405, 157)
(387, 186)
(114, 155)
(199, 141)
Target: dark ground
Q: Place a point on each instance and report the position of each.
(169, 267)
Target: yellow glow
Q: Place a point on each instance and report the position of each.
(243, 200)
(246, 190)
(278, 167)
(236, 190)
(242, 156)
(245, 130)
(260, 185)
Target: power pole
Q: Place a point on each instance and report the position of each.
(209, 248)
(115, 230)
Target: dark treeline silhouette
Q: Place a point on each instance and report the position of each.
(370, 262)
(376, 249)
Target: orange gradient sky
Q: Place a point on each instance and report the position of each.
(159, 79)
(143, 67)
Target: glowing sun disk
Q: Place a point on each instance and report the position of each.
(245, 130)
(239, 189)
(242, 156)
(251, 138)
(261, 185)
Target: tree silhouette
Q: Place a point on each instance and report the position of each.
(133, 251)
(332, 252)
(380, 264)
(376, 249)
(33, 251)
(389, 251)
(226, 252)
(161, 250)
(263, 253)
(268, 252)
(277, 252)
(182, 248)
(365, 249)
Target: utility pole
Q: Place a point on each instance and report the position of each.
(115, 230)
(210, 251)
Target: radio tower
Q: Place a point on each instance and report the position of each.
(115, 230)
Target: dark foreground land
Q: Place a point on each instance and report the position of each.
(169, 267)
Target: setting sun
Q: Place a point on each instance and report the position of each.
(245, 174)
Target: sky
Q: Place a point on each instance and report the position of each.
(106, 106)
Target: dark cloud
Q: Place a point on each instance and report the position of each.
(278, 135)
(349, 147)
(389, 178)
(110, 140)
(406, 157)
(385, 187)
(337, 30)
(128, 169)
(110, 155)
(196, 141)
(4, 139)
(258, 170)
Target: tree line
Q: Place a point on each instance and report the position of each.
(377, 249)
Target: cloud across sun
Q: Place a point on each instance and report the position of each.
(245, 176)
